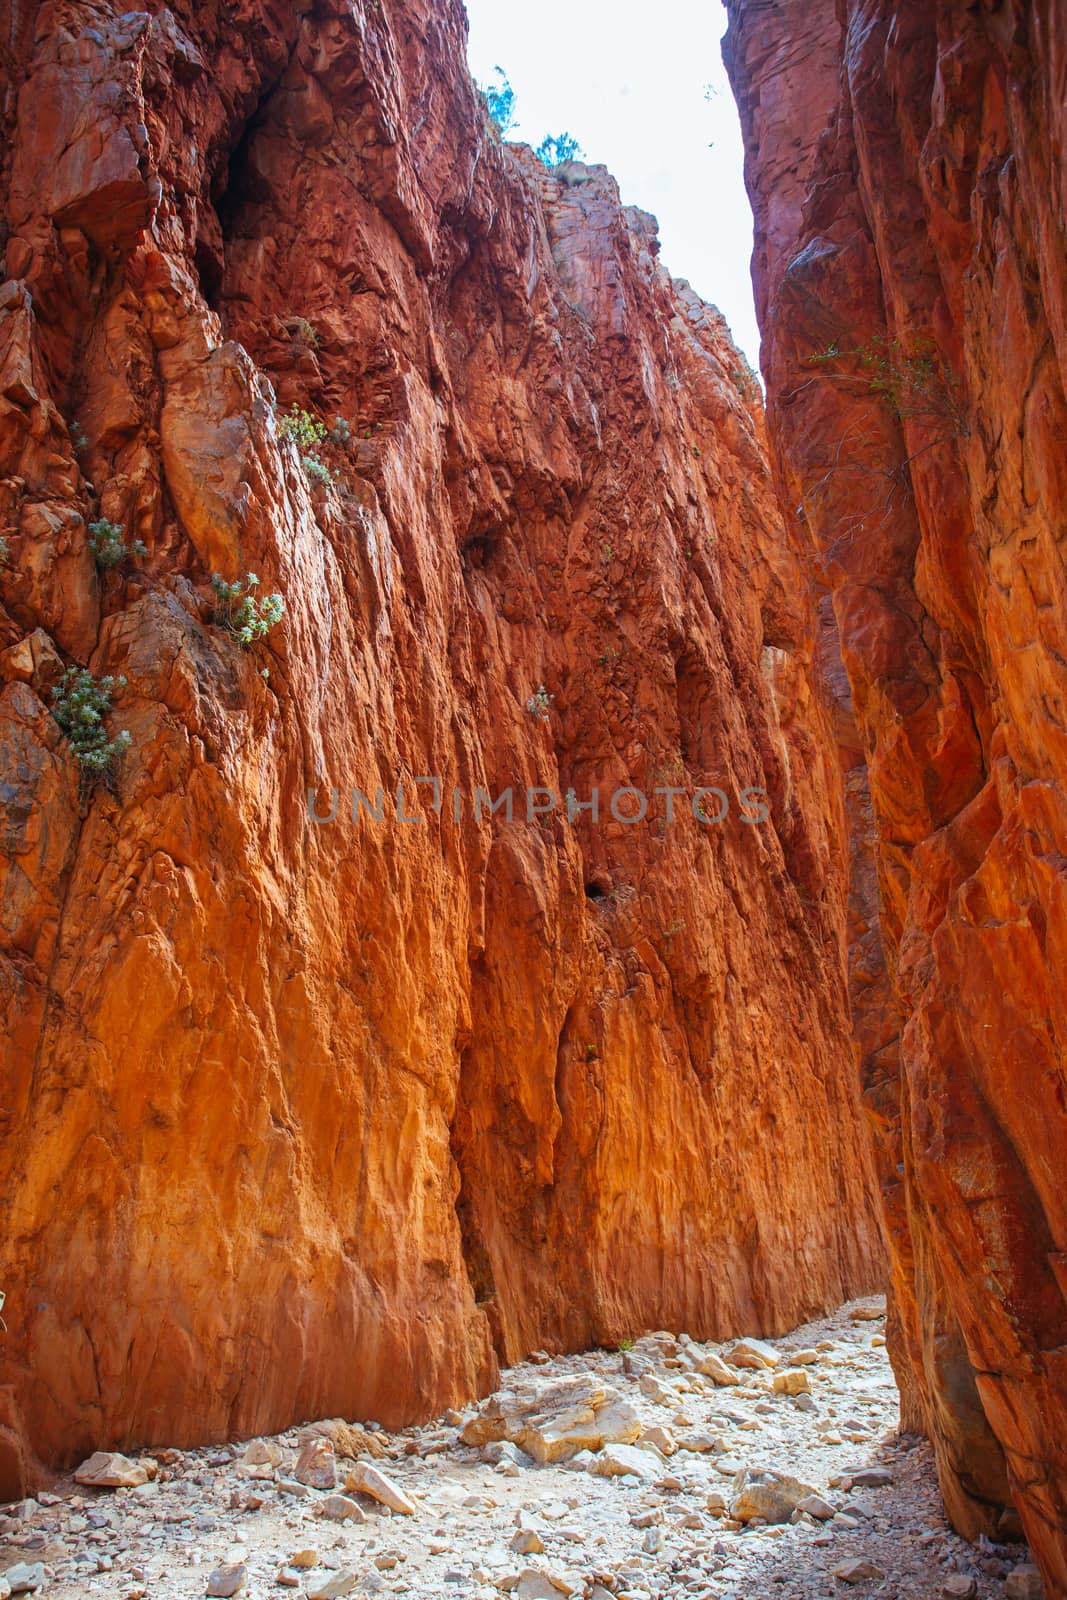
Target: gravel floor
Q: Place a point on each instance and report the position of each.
(489, 1520)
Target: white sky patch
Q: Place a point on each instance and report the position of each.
(628, 81)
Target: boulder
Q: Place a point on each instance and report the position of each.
(762, 1492)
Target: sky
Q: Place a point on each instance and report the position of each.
(629, 81)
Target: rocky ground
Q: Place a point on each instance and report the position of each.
(670, 1468)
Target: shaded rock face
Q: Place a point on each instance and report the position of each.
(306, 1118)
(906, 167)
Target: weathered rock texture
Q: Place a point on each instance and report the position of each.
(304, 1120)
(906, 163)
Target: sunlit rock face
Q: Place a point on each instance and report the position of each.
(906, 166)
(308, 1118)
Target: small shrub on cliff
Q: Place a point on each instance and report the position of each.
(309, 435)
(108, 546)
(78, 437)
(540, 703)
(5, 553)
(80, 703)
(556, 148)
(916, 383)
(500, 99)
(244, 613)
(306, 432)
(746, 382)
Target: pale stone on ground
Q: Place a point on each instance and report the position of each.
(753, 1353)
(109, 1470)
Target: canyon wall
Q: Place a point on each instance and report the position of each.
(906, 165)
(304, 1117)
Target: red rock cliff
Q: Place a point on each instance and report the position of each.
(302, 1118)
(906, 163)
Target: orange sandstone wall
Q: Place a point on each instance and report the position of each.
(306, 1119)
(906, 164)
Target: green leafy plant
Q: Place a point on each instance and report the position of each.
(244, 613)
(77, 435)
(108, 546)
(80, 703)
(917, 385)
(625, 1344)
(5, 553)
(306, 431)
(500, 99)
(672, 771)
(915, 382)
(746, 382)
(307, 333)
(556, 148)
(309, 434)
(540, 703)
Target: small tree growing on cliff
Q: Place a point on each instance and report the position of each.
(556, 148)
(80, 703)
(500, 99)
(917, 383)
(918, 386)
(108, 546)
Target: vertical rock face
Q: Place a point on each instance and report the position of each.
(906, 163)
(307, 1117)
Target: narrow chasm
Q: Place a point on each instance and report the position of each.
(532, 902)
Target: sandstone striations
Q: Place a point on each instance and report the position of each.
(906, 163)
(303, 1118)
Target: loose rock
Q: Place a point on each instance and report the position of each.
(773, 1496)
(714, 1367)
(316, 1465)
(872, 1478)
(226, 1581)
(753, 1353)
(858, 1571)
(1024, 1583)
(333, 1587)
(816, 1506)
(25, 1577)
(365, 1479)
(339, 1508)
(109, 1470)
(621, 1460)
